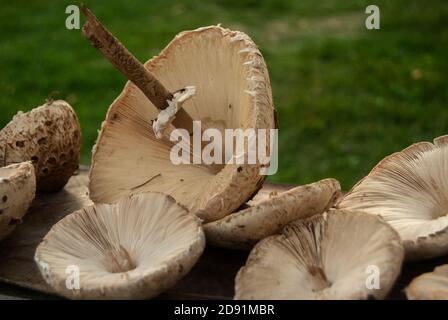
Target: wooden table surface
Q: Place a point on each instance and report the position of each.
(211, 278)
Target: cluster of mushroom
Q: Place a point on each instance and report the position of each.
(39, 151)
(406, 198)
(399, 209)
(145, 230)
(151, 217)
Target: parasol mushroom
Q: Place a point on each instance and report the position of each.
(50, 137)
(429, 286)
(232, 91)
(326, 256)
(242, 229)
(17, 189)
(409, 190)
(135, 248)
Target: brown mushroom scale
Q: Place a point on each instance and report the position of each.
(50, 137)
(17, 190)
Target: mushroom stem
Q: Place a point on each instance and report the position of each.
(119, 260)
(123, 60)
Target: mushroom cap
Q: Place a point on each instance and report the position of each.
(430, 286)
(233, 91)
(409, 189)
(17, 189)
(50, 137)
(326, 256)
(133, 249)
(242, 229)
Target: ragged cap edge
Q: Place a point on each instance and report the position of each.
(50, 176)
(432, 245)
(410, 150)
(255, 256)
(260, 89)
(159, 279)
(232, 231)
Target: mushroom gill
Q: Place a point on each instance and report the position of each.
(233, 92)
(326, 256)
(135, 248)
(409, 189)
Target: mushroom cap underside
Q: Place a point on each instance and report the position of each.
(133, 249)
(409, 190)
(329, 256)
(233, 92)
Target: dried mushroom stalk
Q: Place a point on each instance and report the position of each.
(127, 64)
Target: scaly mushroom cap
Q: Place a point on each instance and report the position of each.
(133, 249)
(50, 137)
(242, 229)
(17, 189)
(409, 189)
(430, 286)
(326, 256)
(233, 91)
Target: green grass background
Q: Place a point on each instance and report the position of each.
(346, 96)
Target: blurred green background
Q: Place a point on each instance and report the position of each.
(346, 96)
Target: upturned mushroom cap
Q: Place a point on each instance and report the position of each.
(50, 137)
(326, 256)
(409, 189)
(242, 229)
(133, 249)
(232, 91)
(430, 286)
(17, 189)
